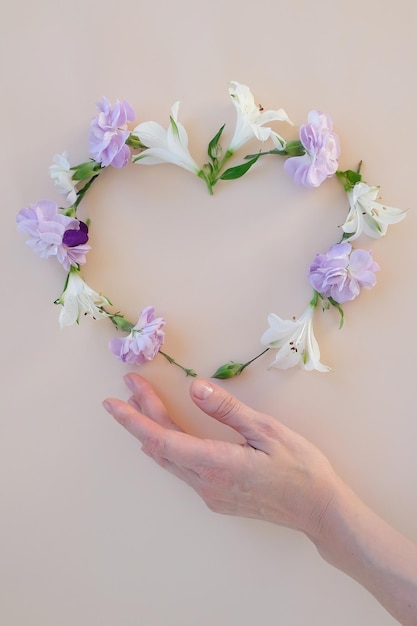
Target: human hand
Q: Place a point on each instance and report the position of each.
(278, 476)
(274, 475)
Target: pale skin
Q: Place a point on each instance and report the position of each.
(278, 476)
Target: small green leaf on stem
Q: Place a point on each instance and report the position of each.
(349, 178)
(188, 372)
(340, 309)
(85, 171)
(239, 170)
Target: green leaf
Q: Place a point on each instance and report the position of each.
(239, 170)
(339, 308)
(84, 171)
(349, 178)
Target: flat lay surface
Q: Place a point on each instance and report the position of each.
(92, 532)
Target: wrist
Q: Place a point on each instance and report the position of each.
(337, 523)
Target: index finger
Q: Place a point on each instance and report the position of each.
(176, 446)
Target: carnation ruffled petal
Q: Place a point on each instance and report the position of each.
(108, 133)
(144, 340)
(47, 229)
(322, 152)
(341, 273)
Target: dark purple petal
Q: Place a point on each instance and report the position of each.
(72, 237)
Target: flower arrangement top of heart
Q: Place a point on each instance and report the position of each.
(336, 276)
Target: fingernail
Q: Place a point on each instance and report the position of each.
(107, 406)
(128, 382)
(202, 390)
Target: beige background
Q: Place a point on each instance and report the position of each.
(92, 533)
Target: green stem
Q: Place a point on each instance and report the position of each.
(201, 174)
(227, 156)
(329, 300)
(315, 299)
(84, 190)
(274, 151)
(254, 359)
(215, 168)
(189, 372)
(221, 164)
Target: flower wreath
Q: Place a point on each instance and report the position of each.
(336, 276)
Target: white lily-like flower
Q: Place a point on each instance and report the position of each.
(61, 174)
(251, 119)
(165, 146)
(368, 216)
(294, 341)
(79, 299)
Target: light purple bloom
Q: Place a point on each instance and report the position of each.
(144, 340)
(109, 132)
(341, 272)
(322, 152)
(54, 234)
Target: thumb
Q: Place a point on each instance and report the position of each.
(257, 428)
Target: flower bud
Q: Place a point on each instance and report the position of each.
(228, 370)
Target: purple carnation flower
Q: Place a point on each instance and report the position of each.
(322, 152)
(54, 234)
(144, 340)
(341, 272)
(108, 133)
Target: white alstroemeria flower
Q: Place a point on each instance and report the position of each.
(294, 341)
(368, 216)
(61, 174)
(251, 119)
(165, 146)
(79, 299)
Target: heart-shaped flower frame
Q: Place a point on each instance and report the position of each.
(336, 276)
